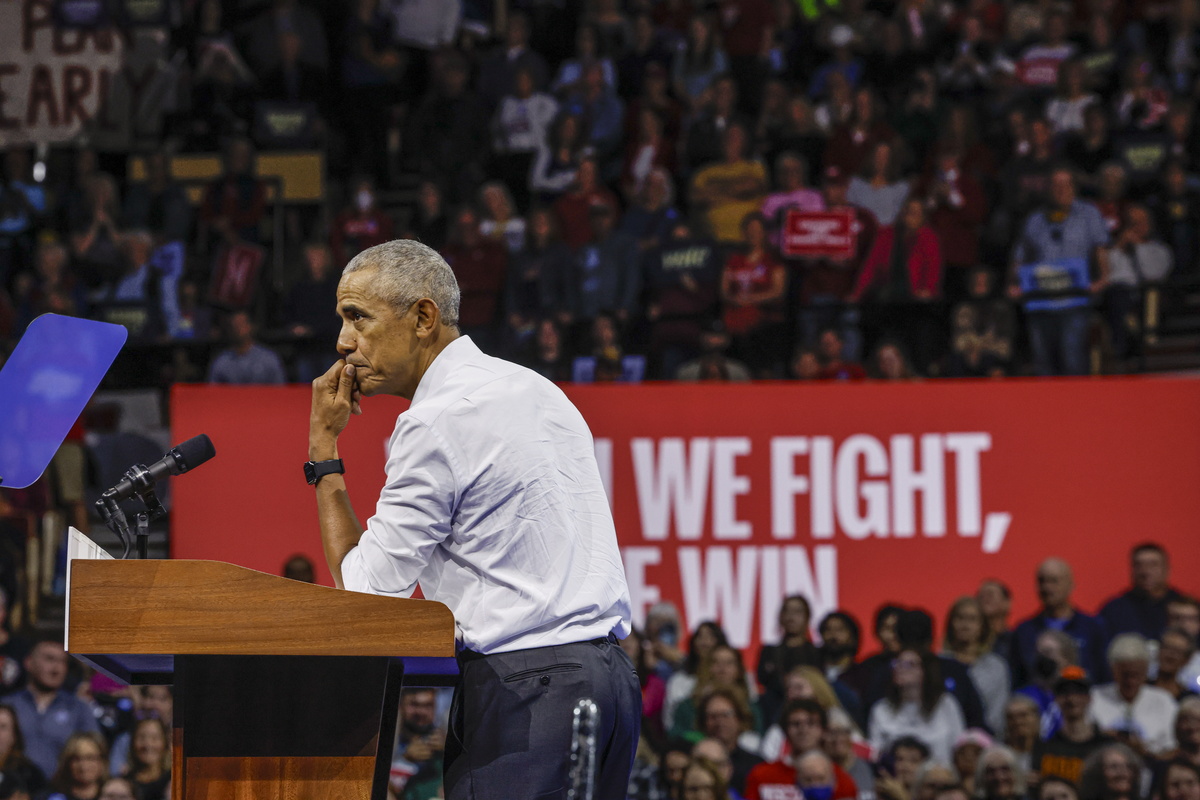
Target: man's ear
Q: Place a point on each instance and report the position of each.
(429, 317)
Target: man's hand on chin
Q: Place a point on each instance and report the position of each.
(335, 397)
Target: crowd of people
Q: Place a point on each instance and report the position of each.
(641, 189)
(1064, 705)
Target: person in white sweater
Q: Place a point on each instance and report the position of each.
(917, 704)
(1140, 715)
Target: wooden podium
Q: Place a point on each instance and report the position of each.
(282, 689)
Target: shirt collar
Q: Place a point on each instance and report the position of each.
(460, 351)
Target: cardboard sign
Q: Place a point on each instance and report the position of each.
(819, 234)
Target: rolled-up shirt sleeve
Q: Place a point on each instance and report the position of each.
(412, 518)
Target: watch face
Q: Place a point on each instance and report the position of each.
(310, 474)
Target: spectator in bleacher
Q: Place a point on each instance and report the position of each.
(51, 273)
(704, 140)
(840, 639)
(587, 53)
(118, 789)
(135, 298)
(801, 683)
(263, 42)
(835, 365)
(1027, 179)
(853, 144)
(650, 152)
(647, 53)
(1111, 773)
(1065, 111)
(753, 292)
(420, 741)
(967, 750)
(969, 641)
(361, 224)
(595, 100)
(875, 668)
(1111, 195)
(879, 186)
(481, 267)
(900, 283)
(246, 361)
(702, 780)
(899, 767)
(772, 115)
(957, 208)
(791, 193)
(725, 192)
(970, 72)
(95, 235)
(1143, 607)
(795, 648)
(1182, 135)
(500, 70)
(655, 95)
(448, 130)
(1181, 781)
(236, 202)
(1143, 102)
(535, 288)
(48, 714)
(840, 742)
(150, 702)
(1137, 260)
(681, 685)
(429, 222)
(149, 766)
(1056, 651)
(797, 134)
(1062, 753)
(1135, 713)
(556, 164)
(606, 273)
(918, 119)
(982, 331)
(652, 216)
(1187, 730)
(1175, 649)
(306, 311)
(82, 768)
(293, 79)
(158, 203)
(194, 320)
(681, 293)
(574, 208)
(917, 705)
(1088, 149)
(1177, 217)
(520, 128)
(1067, 228)
(1055, 583)
(995, 598)
(500, 221)
(22, 207)
(699, 61)
(713, 363)
(1000, 775)
(13, 761)
(654, 688)
(549, 358)
(843, 67)
(724, 715)
(804, 723)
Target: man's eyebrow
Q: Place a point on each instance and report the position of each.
(350, 308)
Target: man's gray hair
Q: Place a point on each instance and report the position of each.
(408, 272)
(1128, 647)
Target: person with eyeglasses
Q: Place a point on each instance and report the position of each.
(917, 704)
(701, 781)
(82, 768)
(118, 789)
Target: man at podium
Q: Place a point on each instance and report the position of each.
(494, 504)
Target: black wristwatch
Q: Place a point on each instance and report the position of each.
(315, 470)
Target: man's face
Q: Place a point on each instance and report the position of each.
(379, 340)
(417, 711)
(674, 765)
(1021, 720)
(1073, 702)
(721, 720)
(714, 753)
(1148, 568)
(158, 702)
(804, 731)
(47, 666)
(1129, 676)
(908, 761)
(1187, 730)
(1062, 189)
(836, 633)
(1174, 650)
(1185, 616)
(1053, 584)
(814, 772)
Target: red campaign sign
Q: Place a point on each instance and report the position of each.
(728, 497)
(1041, 72)
(819, 234)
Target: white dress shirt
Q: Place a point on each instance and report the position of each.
(1151, 715)
(494, 504)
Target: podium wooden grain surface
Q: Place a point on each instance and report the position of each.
(284, 690)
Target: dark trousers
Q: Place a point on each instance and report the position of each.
(512, 715)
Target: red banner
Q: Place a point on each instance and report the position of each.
(819, 234)
(727, 497)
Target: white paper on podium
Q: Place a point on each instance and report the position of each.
(79, 545)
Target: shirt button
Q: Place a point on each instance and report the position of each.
(545, 680)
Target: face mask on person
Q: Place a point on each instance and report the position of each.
(818, 793)
(1045, 667)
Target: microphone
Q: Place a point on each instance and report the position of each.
(178, 460)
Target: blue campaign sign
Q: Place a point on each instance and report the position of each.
(1065, 275)
(44, 386)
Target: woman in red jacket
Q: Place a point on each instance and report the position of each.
(753, 286)
(901, 283)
